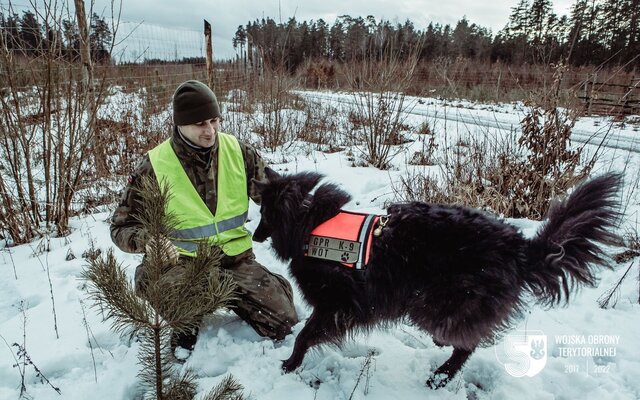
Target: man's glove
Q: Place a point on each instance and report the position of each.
(167, 249)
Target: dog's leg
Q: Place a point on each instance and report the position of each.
(438, 342)
(449, 369)
(317, 330)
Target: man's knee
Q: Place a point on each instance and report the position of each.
(286, 324)
(277, 329)
(272, 319)
(265, 298)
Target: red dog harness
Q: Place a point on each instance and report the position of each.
(345, 238)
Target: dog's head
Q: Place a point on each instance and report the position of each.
(282, 197)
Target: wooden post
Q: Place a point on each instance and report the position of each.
(626, 96)
(586, 95)
(85, 52)
(589, 93)
(210, 71)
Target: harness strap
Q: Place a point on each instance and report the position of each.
(365, 235)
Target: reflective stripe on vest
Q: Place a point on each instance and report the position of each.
(211, 229)
(196, 222)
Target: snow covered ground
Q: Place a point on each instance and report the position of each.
(592, 353)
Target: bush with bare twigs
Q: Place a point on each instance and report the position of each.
(380, 103)
(514, 176)
(47, 144)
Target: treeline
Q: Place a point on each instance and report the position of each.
(596, 32)
(29, 36)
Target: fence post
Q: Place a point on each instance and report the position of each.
(589, 92)
(626, 96)
(210, 71)
(85, 52)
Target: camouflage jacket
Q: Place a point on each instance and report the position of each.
(201, 167)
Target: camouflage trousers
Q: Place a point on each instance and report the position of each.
(265, 299)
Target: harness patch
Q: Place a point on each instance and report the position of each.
(333, 249)
(345, 238)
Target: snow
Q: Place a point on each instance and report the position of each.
(403, 356)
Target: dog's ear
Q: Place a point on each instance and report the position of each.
(259, 185)
(308, 181)
(271, 174)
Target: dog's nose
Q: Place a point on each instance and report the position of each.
(259, 238)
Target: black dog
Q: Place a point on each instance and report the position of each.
(456, 273)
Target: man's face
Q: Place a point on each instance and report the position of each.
(203, 133)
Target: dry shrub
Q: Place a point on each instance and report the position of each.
(380, 103)
(238, 115)
(424, 128)
(322, 127)
(517, 176)
(277, 120)
(45, 138)
(238, 100)
(317, 73)
(426, 156)
(127, 125)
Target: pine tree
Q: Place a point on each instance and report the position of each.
(519, 21)
(171, 305)
(240, 38)
(71, 36)
(633, 48)
(611, 27)
(319, 39)
(100, 38)
(539, 18)
(582, 46)
(30, 34)
(336, 41)
(462, 39)
(578, 21)
(10, 36)
(356, 37)
(430, 46)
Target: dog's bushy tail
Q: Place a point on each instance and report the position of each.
(567, 249)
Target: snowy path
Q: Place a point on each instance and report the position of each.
(495, 117)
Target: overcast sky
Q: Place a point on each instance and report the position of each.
(225, 16)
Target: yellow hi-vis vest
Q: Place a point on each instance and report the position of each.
(196, 223)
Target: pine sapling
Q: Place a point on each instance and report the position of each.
(228, 389)
(176, 297)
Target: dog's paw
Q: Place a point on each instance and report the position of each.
(438, 381)
(289, 365)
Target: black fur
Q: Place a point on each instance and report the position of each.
(457, 273)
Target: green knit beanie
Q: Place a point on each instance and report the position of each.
(194, 102)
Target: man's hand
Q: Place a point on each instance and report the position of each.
(167, 249)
